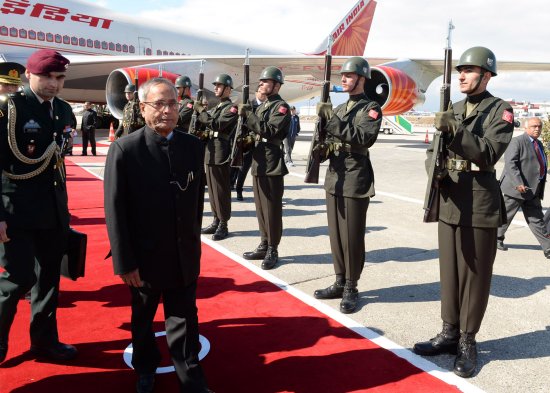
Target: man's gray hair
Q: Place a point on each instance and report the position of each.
(144, 89)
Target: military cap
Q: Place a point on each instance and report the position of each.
(10, 73)
(44, 61)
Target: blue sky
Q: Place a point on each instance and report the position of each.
(401, 28)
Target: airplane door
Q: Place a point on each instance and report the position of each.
(145, 46)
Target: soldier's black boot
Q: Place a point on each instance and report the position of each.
(211, 229)
(466, 360)
(350, 297)
(271, 258)
(258, 253)
(444, 342)
(221, 232)
(335, 291)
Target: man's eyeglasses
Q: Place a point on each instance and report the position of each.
(160, 105)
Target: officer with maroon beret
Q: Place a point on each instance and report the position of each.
(34, 217)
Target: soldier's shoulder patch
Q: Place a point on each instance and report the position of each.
(373, 114)
(508, 116)
(233, 109)
(190, 105)
(283, 109)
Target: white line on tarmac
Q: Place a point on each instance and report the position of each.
(383, 342)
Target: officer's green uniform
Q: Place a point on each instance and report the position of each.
(471, 208)
(270, 123)
(185, 113)
(35, 210)
(131, 119)
(220, 122)
(349, 181)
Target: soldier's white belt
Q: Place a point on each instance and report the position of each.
(216, 134)
(454, 164)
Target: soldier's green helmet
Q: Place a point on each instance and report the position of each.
(224, 79)
(356, 65)
(182, 81)
(272, 73)
(481, 57)
(130, 88)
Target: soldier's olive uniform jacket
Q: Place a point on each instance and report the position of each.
(185, 113)
(221, 122)
(41, 201)
(131, 119)
(352, 132)
(474, 199)
(270, 123)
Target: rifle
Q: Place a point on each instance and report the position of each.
(237, 147)
(437, 161)
(193, 123)
(314, 157)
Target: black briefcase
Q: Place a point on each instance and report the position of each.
(74, 261)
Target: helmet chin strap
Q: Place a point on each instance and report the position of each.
(479, 79)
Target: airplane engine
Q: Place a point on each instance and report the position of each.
(393, 89)
(119, 78)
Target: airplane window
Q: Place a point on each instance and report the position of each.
(97, 44)
(118, 47)
(41, 36)
(132, 49)
(13, 32)
(58, 38)
(3, 30)
(89, 43)
(111, 46)
(81, 42)
(32, 34)
(66, 39)
(74, 40)
(159, 52)
(171, 53)
(147, 51)
(165, 53)
(125, 48)
(49, 37)
(22, 33)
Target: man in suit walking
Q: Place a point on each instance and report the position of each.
(522, 183)
(154, 197)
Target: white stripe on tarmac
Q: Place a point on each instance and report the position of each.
(418, 361)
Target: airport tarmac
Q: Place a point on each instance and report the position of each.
(399, 287)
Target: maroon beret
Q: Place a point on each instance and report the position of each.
(44, 61)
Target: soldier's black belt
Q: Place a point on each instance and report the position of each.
(351, 149)
(454, 164)
(273, 141)
(219, 135)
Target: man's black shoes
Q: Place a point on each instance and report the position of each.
(335, 291)
(240, 196)
(258, 253)
(547, 253)
(211, 229)
(466, 361)
(444, 342)
(59, 352)
(3, 351)
(145, 383)
(271, 258)
(221, 232)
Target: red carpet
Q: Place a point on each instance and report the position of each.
(262, 339)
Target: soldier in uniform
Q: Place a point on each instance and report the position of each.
(183, 84)
(349, 183)
(10, 77)
(131, 115)
(89, 123)
(220, 123)
(476, 131)
(34, 217)
(270, 124)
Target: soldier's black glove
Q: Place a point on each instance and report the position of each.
(324, 110)
(245, 110)
(199, 107)
(446, 122)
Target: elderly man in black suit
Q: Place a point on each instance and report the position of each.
(154, 196)
(522, 183)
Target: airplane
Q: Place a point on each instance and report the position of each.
(107, 50)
